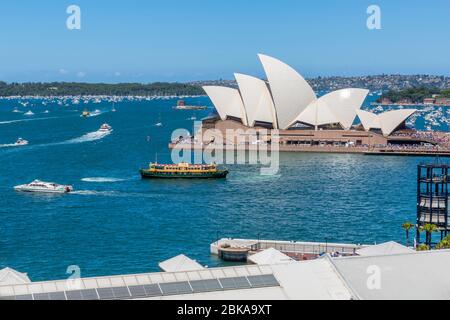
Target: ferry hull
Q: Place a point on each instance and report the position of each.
(146, 174)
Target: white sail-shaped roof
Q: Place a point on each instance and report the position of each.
(392, 119)
(387, 122)
(317, 114)
(291, 93)
(344, 103)
(257, 100)
(368, 120)
(228, 102)
(335, 107)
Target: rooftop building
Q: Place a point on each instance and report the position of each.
(411, 275)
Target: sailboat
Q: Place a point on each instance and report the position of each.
(159, 124)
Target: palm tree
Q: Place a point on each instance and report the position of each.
(407, 226)
(429, 229)
(423, 247)
(444, 244)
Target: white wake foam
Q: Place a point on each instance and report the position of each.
(92, 136)
(115, 194)
(25, 120)
(101, 180)
(11, 145)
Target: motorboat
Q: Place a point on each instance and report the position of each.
(159, 124)
(21, 142)
(29, 113)
(105, 128)
(43, 187)
(85, 114)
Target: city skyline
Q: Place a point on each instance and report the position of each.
(177, 41)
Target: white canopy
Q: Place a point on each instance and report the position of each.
(388, 248)
(10, 276)
(269, 256)
(180, 263)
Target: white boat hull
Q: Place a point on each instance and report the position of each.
(25, 189)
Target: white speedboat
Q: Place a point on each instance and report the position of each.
(21, 142)
(29, 113)
(159, 124)
(16, 110)
(44, 187)
(105, 128)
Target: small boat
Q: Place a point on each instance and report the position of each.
(43, 187)
(46, 111)
(85, 114)
(16, 110)
(105, 128)
(159, 124)
(183, 171)
(21, 142)
(113, 109)
(29, 113)
(181, 105)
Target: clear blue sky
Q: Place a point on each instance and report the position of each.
(182, 40)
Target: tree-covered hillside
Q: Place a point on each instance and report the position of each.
(75, 88)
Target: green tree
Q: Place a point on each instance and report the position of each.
(407, 226)
(444, 244)
(423, 247)
(429, 229)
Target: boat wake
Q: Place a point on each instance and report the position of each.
(102, 180)
(11, 145)
(115, 194)
(89, 137)
(26, 120)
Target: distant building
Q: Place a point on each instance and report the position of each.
(429, 101)
(442, 101)
(386, 101)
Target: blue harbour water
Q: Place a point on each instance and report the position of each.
(117, 223)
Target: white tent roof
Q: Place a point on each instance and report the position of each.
(269, 256)
(257, 100)
(180, 263)
(10, 276)
(228, 102)
(387, 248)
(291, 93)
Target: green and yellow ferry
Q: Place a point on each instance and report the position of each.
(183, 171)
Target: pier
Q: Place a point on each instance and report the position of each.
(296, 250)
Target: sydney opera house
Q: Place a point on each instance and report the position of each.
(330, 123)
